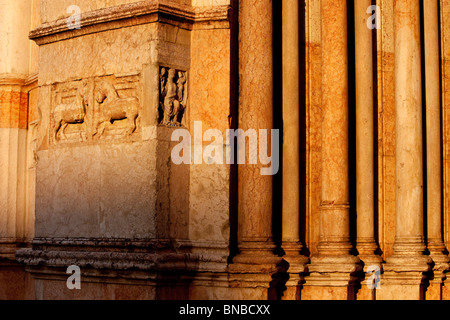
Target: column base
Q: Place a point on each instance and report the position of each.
(445, 290)
(332, 278)
(372, 270)
(434, 290)
(405, 277)
(257, 273)
(297, 269)
(441, 265)
(402, 263)
(402, 286)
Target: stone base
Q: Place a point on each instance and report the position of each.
(446, 289)
(434, 291)
(372, 267)
(402, 286)
(401, 292)
(328, 293)
(405, 277)
(48, 289)
(332, 278)
(292, 292)
(258, 277)
(120, 269)
(366, 294)
(248, 278)
(15, 282)
(152, 269)
(296, 272)
(330, 286)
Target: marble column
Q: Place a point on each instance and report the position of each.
(436, 244)
(334, 266)
(255, 112)
(365, 149)
(291, 146)
(403, 272)
(15, 17)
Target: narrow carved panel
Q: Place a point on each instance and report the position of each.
(99, 108)
(173, 97)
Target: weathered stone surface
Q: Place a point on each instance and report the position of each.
(87, 175)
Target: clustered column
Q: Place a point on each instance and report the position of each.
(334, 265)
(14, 69)
(335, 223)
(404, 269)
(255, 112)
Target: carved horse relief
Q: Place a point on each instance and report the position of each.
(95, 107)
(110, 108)
(70, 113)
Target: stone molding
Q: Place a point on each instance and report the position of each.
(134, 14)
(8, 247)
(28, 82)
(125, 254)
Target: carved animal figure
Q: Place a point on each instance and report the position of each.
(113, 108)
(70, 113)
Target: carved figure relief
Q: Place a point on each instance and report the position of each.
(173, 96)
(96, 108)
(34, 131)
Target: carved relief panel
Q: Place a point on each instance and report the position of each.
(98, 108)
(173, 97)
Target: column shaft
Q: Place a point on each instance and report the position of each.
(335, 223)
(408, 261)
(404, 271)
(256, 266)
(409, 149)
(291, 148)
(433, 130)
(255, 112)
(291, 123)
(365, 151)
(332, 272)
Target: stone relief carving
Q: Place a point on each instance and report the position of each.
(34, 143)
(70, 113)
(173, 96)
(104, 108)
(113, 108)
